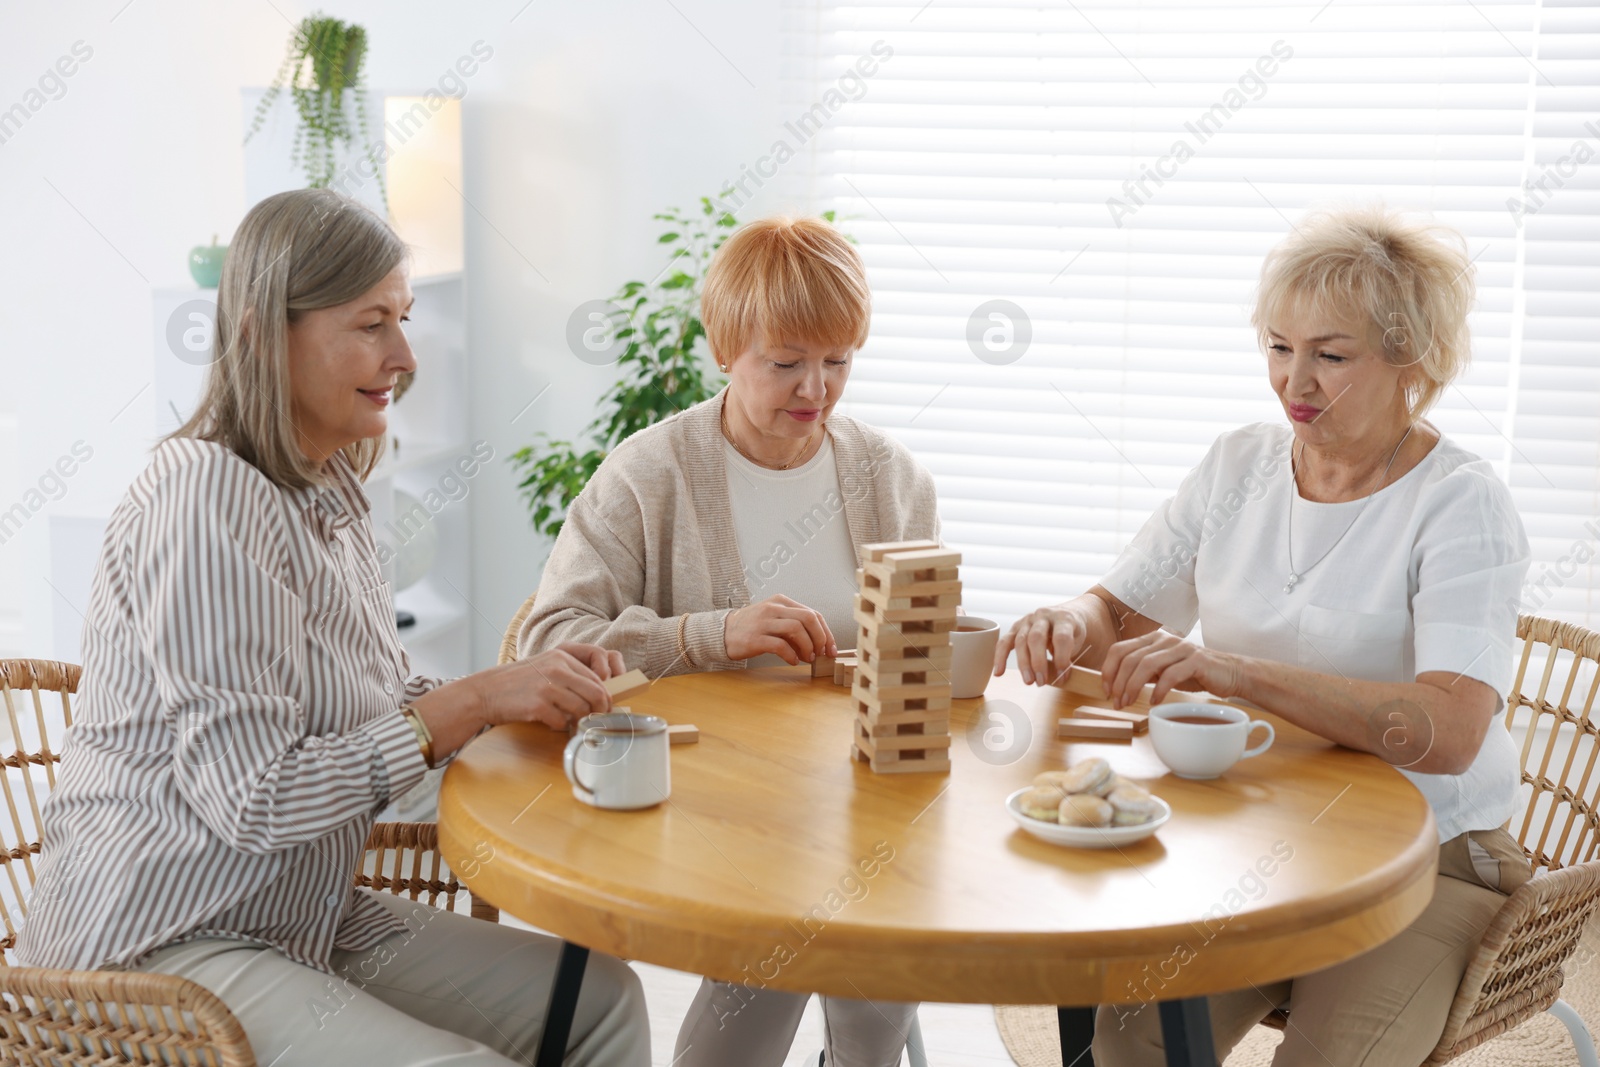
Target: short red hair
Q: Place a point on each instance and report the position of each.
(785, 279)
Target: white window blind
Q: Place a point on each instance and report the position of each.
(986, 152)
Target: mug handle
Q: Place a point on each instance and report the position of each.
(1263, 746)
(569, 762)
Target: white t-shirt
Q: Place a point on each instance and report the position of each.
(1429, 578)
(793, 538)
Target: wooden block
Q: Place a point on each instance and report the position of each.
(935, 613)
(1081, 681)
(903, 710)
(1094, 730)
(683, 734)
(880, 591)
(894, 673)
(1137, 719)
(844, 671)
(898, 742)
(886, 574)
(887, 598)
(937, 760)
(866, 690)
(878, 549)
(906, 659)
(626, 684)
(884, 635)
(822, 667)
(939, 725)
(921, 559)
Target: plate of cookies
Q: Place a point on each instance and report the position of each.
(1087, 806)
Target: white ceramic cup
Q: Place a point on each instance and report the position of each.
(620, 761)
(972, 655)
(1204, 750)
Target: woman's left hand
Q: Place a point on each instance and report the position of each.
(1169, 662)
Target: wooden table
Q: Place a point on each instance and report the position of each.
(779, 861)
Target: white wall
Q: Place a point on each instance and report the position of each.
(587, 118)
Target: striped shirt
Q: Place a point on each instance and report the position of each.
(238, 724)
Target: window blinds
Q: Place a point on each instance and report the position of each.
(1064, 206)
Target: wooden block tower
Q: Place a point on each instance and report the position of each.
(905, 613)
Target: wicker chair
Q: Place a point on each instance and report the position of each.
(65, 1018)
(508, 643)
(1516, 972)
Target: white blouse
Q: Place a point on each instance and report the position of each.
(1427, 578)
(793, 539)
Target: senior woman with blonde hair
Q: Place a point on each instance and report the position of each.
(729, 534)
(247, 707)
(1356, 573)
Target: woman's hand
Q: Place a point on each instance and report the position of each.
(554, 688)
(1047, 641)
(778, 625)
(1167, 661)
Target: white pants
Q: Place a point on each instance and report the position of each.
(735, 1026)
(450, 990)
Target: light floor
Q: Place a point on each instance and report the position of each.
(953, 1034)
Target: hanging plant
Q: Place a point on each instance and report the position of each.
(326, 58)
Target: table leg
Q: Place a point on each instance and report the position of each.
(563, 1004)
(1186, 1031)
(1076, 1026)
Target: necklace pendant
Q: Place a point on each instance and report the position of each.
(1289, 585)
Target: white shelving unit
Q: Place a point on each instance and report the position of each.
(428, 426)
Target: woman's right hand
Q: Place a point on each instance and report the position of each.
(554, 688)
(783, 627)
(1047, 642)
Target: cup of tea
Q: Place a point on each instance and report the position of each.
(619, 761)
(972, 645)
(1204, 740)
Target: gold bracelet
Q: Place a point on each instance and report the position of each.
(420, 728)
(683, 644)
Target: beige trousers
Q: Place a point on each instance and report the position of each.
(731, 1025)
(450, 990)
(1385, 1008)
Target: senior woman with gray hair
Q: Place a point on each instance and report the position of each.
(1355, 572)
(728, 536)
(247, 708)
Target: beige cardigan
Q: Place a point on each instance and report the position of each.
(651, 537)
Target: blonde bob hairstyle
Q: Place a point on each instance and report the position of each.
(778, 280)
(1407, 284)
(294, 252)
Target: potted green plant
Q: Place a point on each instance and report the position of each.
(657, 326)
(326, 59)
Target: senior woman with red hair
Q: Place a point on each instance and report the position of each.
(728, 536)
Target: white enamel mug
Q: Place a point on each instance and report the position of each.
(619, 761)
(972, 655)
(1204, 749)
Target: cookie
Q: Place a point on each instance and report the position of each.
(1087, 776)
(1132, 805)
(1041, 802)
(1084, 809)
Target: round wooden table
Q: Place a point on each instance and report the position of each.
(780, 861)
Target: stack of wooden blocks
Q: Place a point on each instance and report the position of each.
(901, 687)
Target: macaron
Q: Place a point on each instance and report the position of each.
(1087, 776)
(1084, 809)
(1132, 805)
(1041, 802)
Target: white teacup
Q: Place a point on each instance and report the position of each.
(620, 761)
(972, 645)
(1204, 740)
